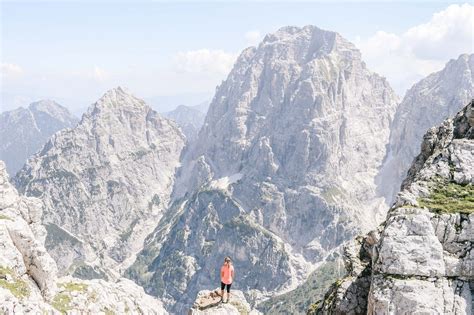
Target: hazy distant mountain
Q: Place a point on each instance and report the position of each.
(189, 118)
(202, 107)
(104, 183)
(166, 103)
(24, 131)
(282, 171)
(426, 104)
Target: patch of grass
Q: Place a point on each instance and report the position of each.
(16, 286)
(62, 302)
(4, 217)
(74, 286)
(449, 198)
(5, 271)
(108, 311)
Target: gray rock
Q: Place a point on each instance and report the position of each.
(24, 131)
(428, 103)
(104, 183)
(29, 282)
(279, 171)
(422, 258)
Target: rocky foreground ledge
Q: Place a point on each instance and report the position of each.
(28, 275)
(421, 259)
(208, 303)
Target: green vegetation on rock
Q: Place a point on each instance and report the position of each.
(449, 198)
(74, 286)
(62, 302)
(108, 311)
(4, 217)
(15, 285)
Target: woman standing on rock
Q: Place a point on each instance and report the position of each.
(227, 276)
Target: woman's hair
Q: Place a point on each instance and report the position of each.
(227, 258)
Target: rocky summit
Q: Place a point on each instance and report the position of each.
(29, 282)
(421, 259)
(104, 184)
(210, 303)
(25, 130)
(429, 102)
(282, 171)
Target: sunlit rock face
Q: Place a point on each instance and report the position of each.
(281, 173)
(420, 260)
(104, 184)
(29, 282)
(428, 103)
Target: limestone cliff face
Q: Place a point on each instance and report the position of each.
(421, 260)
(104, 183)
(429, 102)
(29, 282)
(291, 144)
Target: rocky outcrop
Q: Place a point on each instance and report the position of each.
(24, 131)
(209, 303)
(270, 180)
(421, 260)
(104, 184)
(429, 102)
(28, 275)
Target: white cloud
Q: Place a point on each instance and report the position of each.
(253, 37)
(422, 49)
(10, 70)
(205, 61)
(448, 31)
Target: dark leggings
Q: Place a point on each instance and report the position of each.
(223, 285)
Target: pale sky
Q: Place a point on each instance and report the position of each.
(176, 52)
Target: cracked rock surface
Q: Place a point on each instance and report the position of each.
(423, 259)
(29, 282)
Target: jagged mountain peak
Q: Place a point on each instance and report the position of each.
(274, 164)
(119, 98)
(330, 39)
(119, 161)
(25, 130)
(45, 105)
(53, 109)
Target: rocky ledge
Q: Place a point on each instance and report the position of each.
(28, 275)
(209, 302)
(421, 259)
